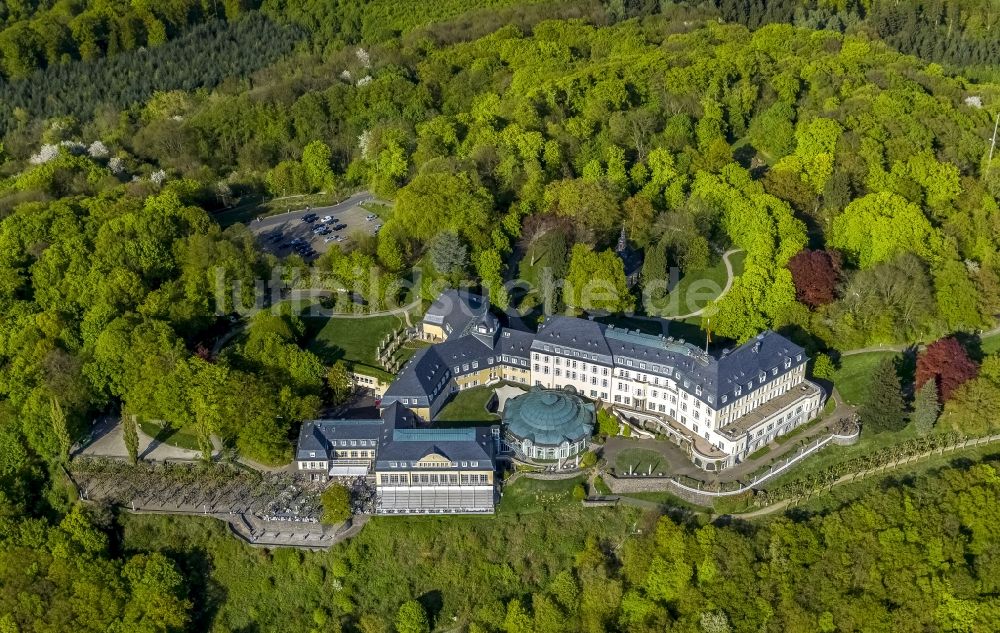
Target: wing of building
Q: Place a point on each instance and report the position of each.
(721, 407)
(417, 470)
(437, 471)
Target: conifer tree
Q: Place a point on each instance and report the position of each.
(926, 408)
(60, 428)
(882, 409)
(130, 435)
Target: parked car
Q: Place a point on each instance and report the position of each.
(371, 217)
(327, 218)
(332, 238)
(338, 227)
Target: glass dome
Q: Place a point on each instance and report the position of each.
(549, 417)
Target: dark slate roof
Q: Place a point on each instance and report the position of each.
(456, 311)
(419, 377)
(403, 446)
(397, 416)
(578, 334)
(515, 343)
(317, 436)
(756, 359)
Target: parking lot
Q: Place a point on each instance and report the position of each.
(281, 234)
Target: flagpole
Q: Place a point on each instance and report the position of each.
(708, 333)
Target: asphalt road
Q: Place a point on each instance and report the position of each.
(290, 225)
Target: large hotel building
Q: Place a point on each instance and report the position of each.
(721, 407)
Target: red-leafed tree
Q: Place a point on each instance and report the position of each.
(946, 363)
(815, 274)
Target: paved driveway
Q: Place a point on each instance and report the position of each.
(290, 225)
(106, 441)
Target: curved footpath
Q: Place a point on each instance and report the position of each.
(729, 284)
(902, 347)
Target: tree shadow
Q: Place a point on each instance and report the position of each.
(154, 443)
(327, 352)
(972, 343)
(432, 602)
(744, 155)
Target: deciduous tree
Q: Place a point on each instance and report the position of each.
(412, 618)
(336, 500)
(946, 363)
(815, 274)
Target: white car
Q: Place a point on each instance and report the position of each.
(332, 238)
(370, 217)
(326, 218)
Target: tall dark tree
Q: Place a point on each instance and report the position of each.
(926, 407)
(449, 254)
(655, 275)
(130, 433)
(947, 363)
(883, 407)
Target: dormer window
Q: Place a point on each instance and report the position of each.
(774, 372)
(738, 391)
(724, 399)
(788, 363)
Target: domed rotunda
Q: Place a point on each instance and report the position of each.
(548, 424)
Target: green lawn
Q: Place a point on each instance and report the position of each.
(601, 487)
(410, 348)
(469, 406)
(640, 460)
(852, 379)
(991, 344)
(352, 340)
(699, 287)
(527, 496)
(183, 437)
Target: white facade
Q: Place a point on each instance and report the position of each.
(753, 413)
